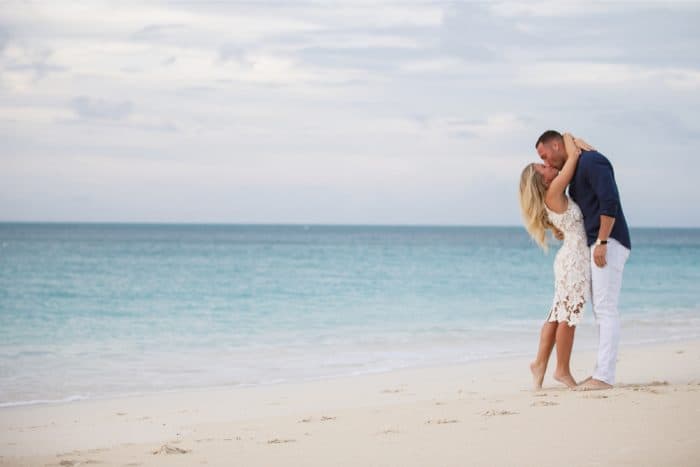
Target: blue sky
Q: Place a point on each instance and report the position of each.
(339, 112)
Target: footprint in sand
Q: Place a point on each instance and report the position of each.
(648, 385)
(392, 391)
(204, 440)
(281, 441)
(650, 388)
(324, 418)
(493, 413)
(441, 421)
(167, 449)
(543, 403)
(97, 450)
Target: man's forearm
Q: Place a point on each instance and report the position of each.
(606, 226)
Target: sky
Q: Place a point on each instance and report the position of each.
(339, 112)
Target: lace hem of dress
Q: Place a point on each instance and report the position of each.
(566, 311)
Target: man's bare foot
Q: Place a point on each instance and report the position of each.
(585, 380)
(593, 385)
(538, 370)
(566, 379)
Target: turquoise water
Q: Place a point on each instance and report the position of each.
(93, 310)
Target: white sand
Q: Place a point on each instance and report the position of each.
(473, 414)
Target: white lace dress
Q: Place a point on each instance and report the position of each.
(572, 268)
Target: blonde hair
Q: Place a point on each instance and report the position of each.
(532, 193)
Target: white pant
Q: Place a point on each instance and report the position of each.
(606, 283)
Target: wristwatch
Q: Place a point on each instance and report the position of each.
(601, 242)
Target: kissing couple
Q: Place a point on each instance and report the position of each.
(590, 261)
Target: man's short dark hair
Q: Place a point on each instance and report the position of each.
(548, 136)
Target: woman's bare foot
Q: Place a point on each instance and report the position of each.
(538, 370)
(566, 379)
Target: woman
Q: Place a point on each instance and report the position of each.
(545, 206)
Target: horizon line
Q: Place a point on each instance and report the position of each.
(299, 224)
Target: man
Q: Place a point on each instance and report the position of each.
(594, 189)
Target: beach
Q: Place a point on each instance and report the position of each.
(261, 234)
(259, 345)
(477, 413)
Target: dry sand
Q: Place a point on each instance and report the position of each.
(479, 413)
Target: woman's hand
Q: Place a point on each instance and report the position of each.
(572, 149)
(581, 144)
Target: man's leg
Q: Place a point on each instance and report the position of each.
(606, 285)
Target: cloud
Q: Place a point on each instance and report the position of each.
(473, 33)
(232, 52)
(39, 69)
(548, 9)
(153, 31)
(494, 126)
(4, 37)
(379, 106)
(101, 109)
(548, 74)
(18, 57)
(667, 123)
(652, 34)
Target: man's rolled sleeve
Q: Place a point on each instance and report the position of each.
(602, 180)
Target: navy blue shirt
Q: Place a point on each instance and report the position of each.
(594, 189)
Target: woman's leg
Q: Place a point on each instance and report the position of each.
(539, 366)
(565, 343)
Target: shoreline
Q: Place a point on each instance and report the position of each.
(376, 419)
(514, 355)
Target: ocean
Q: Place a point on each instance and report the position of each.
(101, 310)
